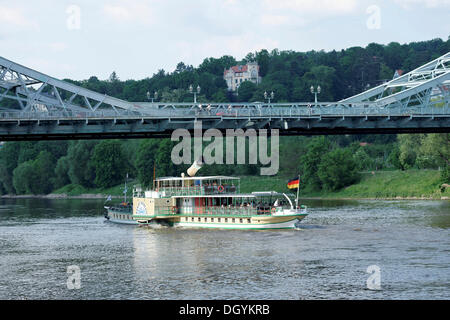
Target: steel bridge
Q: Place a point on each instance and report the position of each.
(35, 106)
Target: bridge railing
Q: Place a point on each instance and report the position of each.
(275, 110)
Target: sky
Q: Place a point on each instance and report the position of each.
(80, 38)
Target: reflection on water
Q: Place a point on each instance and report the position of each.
(326, 258)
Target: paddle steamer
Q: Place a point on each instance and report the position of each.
(207, 202)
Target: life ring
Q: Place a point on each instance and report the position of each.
(220, 188)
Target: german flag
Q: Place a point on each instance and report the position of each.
(293, 183)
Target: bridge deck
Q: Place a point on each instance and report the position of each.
(48, 108)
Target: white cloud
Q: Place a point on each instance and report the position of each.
(428, 3)
(298, 13)
(274, 20)
(58, 46)
(236, 45)
(313, 6)
(130, 12)
(15, 17)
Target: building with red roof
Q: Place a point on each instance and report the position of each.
(238, 74)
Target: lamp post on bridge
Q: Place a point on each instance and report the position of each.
(315, 93)
(155, 96)
(267, 96)
(191, 90)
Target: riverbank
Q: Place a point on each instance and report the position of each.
(72, 191)
(388, 185)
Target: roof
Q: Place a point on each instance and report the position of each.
(234, 195)
(398, 73)
(221, 195)
(236, 69)
(196, 178)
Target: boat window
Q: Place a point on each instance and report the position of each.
(226, 219)
(233, 220)
(240, 220)
(248, 220)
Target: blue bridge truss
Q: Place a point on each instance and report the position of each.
(35, 106)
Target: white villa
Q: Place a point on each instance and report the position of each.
(238, 74)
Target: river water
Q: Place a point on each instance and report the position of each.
(326, 258)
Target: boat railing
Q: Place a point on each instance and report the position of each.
(182, 191)
(198, 190)
(222, 211)
(230, 211)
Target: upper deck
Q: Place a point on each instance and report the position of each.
(194, 186)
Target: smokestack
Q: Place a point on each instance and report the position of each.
(197, 165)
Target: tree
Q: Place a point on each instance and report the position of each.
(437, 147)
(337, 169)
(163, 162)
(81, 170)
(61, 177)
(9, 155)
(309, 162)
(394, 158)
(246, 90)
(409, 145)
(23, 176)
(35, 176)
(362, 160)
(109, 163)
(145, 162)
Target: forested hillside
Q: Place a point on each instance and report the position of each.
(324, 163)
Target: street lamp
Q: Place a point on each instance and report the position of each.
(268, 97)
(315, 93)
(191, 90)
(155, 96)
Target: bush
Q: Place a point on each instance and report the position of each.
(338, 169)
(110, 163)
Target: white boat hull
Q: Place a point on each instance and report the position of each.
(282, 225)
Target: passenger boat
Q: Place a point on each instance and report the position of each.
(207, 202)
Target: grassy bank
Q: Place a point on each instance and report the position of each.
(409, 184)
(73, 190)
(378, 185)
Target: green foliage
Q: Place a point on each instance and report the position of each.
(23, 178)
(9, 155)
(445, 174)
(30, 167)
(363, 160)
(394, 159)
(145, 161)
(337, 169)
(61, 177)
(309, 162)
(424, 150)
(109, 162)
(393, 184)
(81, 169)
(35, 176)
(246, 90)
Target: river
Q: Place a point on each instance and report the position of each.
(326, 258)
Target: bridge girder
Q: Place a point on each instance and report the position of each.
(48, 107)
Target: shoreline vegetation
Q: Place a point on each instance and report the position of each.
(331, 166)
(375, 185)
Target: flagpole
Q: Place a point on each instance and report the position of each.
(298, 188)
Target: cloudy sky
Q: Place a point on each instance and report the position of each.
(79, 38)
